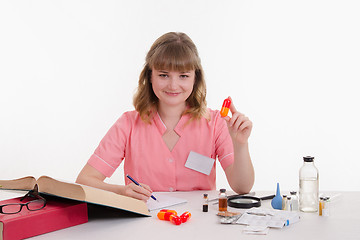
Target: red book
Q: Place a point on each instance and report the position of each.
(57, 214)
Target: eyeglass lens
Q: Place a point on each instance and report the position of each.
(11, 208)
(35, 205)
(31, 206)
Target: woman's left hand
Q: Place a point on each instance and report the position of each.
(239, 125)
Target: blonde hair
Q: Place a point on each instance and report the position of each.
(173, 51)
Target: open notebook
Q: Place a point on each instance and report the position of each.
(164, 201)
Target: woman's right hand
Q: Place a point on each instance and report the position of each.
(91, 177)
(142, 192)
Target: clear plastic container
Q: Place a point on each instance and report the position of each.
(308, 186)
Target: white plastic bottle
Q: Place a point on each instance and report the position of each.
(308, 186)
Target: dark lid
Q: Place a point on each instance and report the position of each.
(222, 190)
(308, 159)
(293, 193)
(205, 195)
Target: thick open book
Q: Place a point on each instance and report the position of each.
(78, 192)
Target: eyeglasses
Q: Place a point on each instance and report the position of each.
(34, 205)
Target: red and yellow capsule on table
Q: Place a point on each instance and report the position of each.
(225, 107)
(165, 214)
(171, 215)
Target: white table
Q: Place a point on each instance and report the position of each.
(343, 223)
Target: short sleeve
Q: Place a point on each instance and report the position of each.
(224, 148)
(111, 150)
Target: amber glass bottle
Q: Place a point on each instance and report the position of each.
(222, 200)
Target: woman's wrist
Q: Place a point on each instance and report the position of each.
(118, 189)
(240, 146)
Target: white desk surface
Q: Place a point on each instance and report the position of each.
(343, 223)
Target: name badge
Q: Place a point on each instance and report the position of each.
(200, 163)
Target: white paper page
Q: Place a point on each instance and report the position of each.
(8, 194)
(164, 201)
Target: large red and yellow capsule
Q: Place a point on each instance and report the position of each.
(225, 107)
(165, 214)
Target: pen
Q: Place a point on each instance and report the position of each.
(133, 180)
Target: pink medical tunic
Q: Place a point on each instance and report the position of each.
(149, 160)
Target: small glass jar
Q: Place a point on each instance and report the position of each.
(284, 201)
(288, 204)
(205, 203)
(222, 200)
(294, 201)
(324, 206)
(326, 209)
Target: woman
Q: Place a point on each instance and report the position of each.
(171, 127)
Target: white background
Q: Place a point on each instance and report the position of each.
(69, 69)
